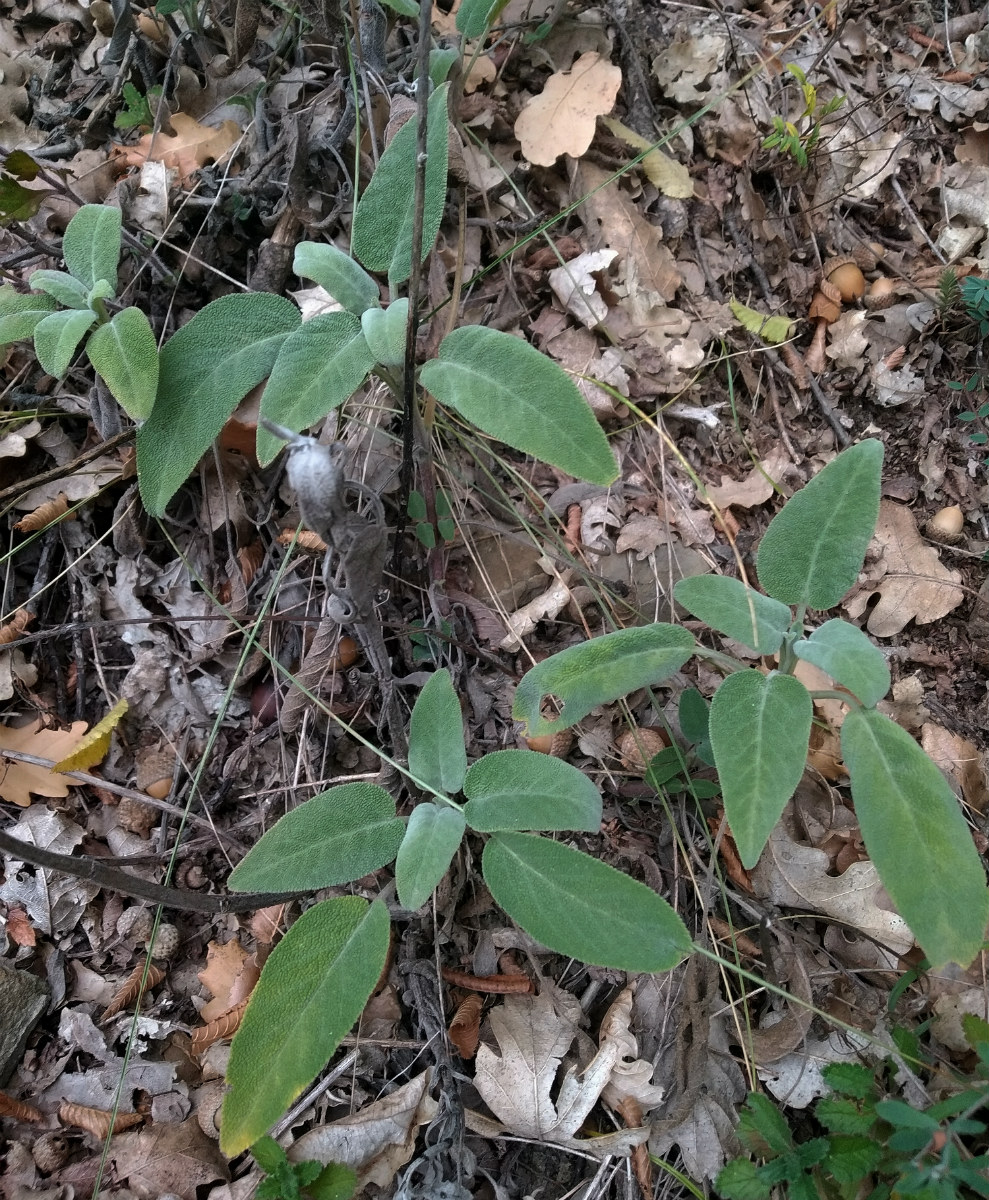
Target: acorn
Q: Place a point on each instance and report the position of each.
(846, 275)
(881, 293)
(946, 525)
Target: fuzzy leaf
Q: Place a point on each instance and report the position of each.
(437, 754)
(509, 390)
(336, 272)
(312, 989)
(845, 653)
(319, 366)
(336, 837)
(57, 337)
(760, 728)
(917, 838)
(124, 354)
(603, 669)
(731, 608)
(91, 246)
(205, 370)
(20, 315)
(815, 546)
(581, 907)
(431, 840)
(520, 789)
(382, 233)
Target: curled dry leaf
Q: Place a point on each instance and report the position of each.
(223, 1027)
(311, 542)
(17, 1109)
(492, 984)
(519, 1084)
(44, 515)
(376, 1141)
(97, 1121)
(11, 630)
(561, 120)
(545, 606)
(131, 990)
(465, 1028)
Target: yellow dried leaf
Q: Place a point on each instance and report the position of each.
(94, 746)
(19, 779)
(770, 329)
(562, 118)
(671, 177)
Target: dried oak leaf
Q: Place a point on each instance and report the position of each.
(913, 585)
(562, 118)
(192, 147)
(519, 1085)
(19, 779)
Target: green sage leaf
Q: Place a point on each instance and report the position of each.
(581, 907)
(760, 728)
(319, 366)
(845, 653)
(91, 245)
(735, 610)
(313, 988)
(437, 754)
(124, 354)
(917, 838)
(509, 390)
(205, 370)
(20, 315)
(336, 837)
(382, 232)
(65, 288)
(815, 546)
(57, 337)
(431, 840)
(338, 274)
(595, 672)
(520, 789)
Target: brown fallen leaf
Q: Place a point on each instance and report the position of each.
(520, 1083)
(130, 990)
(465, 1028)
(378, 1139)
(756, 487)
(960, 760)
(44, 515)
(912, 582)
(97, 1121)
(229, 976)
(168, 1158)
(795, 875)
(224, 1026)
(19, 779)
(562, 118)
(192, 147)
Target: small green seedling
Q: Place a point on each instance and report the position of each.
(139, 109)
(870, 1146)
(72, 306)
(798, 139)
(308, 1180)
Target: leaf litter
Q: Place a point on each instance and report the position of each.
(652, 307)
